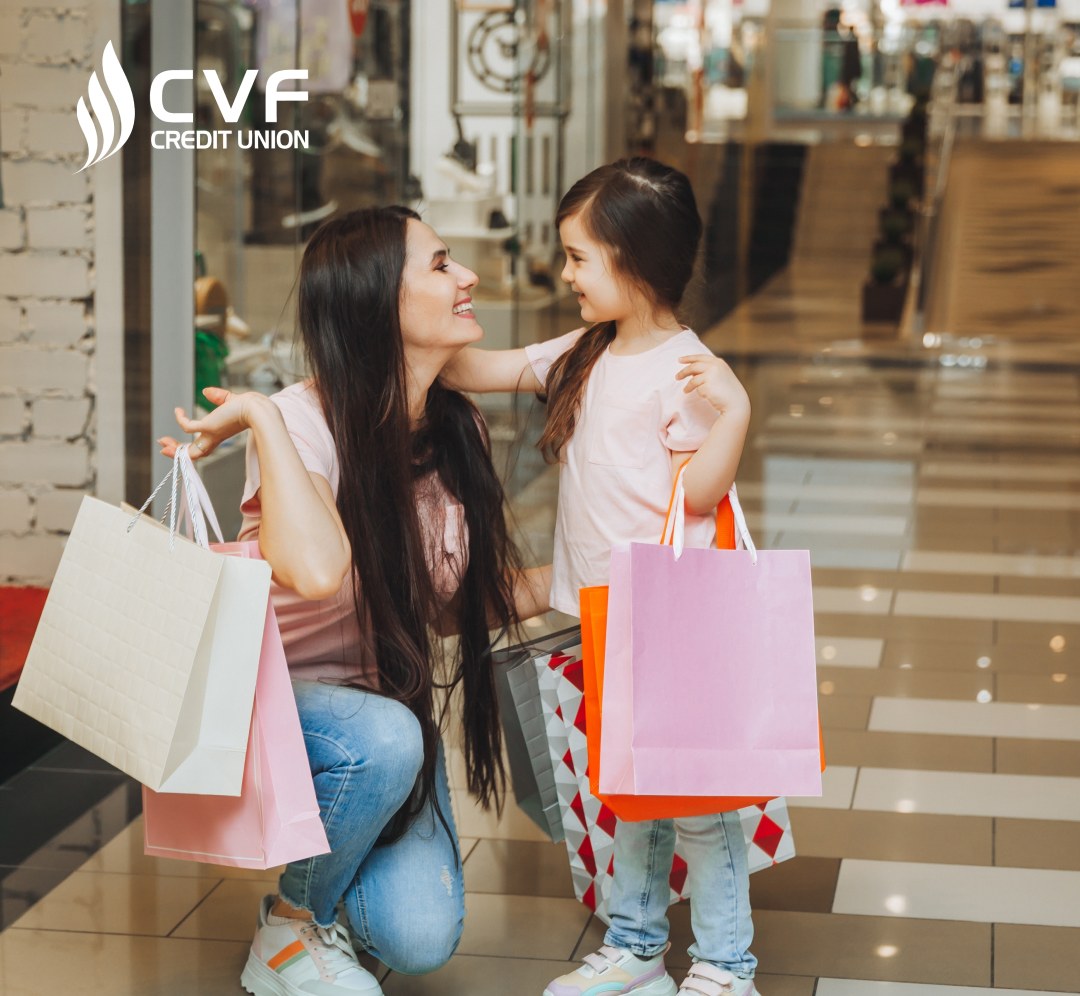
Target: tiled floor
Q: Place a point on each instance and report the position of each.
(942, 510)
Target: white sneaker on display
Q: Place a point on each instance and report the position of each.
(300, 958)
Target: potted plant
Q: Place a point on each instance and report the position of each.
(884, 293)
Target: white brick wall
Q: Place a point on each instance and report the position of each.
(47, 233)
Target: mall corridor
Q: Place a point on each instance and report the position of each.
(941, 506)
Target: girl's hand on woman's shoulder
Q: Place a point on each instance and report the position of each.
(714, 381)
(235, 412)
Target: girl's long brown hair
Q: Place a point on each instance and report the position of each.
(350, 289)
(644, 215)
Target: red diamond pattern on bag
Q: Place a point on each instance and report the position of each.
(768, 835)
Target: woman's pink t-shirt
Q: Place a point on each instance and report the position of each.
(615, 476)
(323, 638)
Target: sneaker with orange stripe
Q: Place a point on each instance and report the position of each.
(299, 958)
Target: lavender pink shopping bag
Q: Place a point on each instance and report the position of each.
(275, 819)
(710, 678)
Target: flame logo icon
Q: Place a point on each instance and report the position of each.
(117, 87)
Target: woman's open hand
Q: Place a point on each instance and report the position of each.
(232, 415)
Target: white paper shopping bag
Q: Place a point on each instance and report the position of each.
(148, 647)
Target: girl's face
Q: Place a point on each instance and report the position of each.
(603, 295)
(436, 307)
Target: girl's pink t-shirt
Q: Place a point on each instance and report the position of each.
(615, 475)
(323, 638)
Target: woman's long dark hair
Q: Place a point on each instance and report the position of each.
(350, 289)
(644, 214)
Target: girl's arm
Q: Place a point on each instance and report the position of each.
(300, 532)
(484, 370)
(712, 467)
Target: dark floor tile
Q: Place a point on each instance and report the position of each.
(69, 756)
(518, 867)
(807, 884)
(1027, 957)
(57, 819)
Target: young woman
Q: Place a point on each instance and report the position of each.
(632, 397)
(372, 495)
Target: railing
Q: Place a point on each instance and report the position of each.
(942, 135)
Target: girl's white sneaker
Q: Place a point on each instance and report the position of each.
(705, 979)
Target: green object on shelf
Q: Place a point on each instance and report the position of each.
(210, 354)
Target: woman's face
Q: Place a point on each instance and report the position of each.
(436, 306)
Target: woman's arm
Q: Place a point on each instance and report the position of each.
(481, 371)
(300, 531)
(532, 597)
(712, 467)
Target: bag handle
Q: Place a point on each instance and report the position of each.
(675, 520)
(197, 508)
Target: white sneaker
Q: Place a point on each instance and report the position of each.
(611, 971)
(705, 979)
(299, 958)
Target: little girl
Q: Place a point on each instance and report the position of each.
(631, 397)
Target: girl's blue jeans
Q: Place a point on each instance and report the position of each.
(719, 879)
(405, 900)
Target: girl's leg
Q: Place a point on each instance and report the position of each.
(640, 891)
(365, 753)
(406, 904)
(719, 879)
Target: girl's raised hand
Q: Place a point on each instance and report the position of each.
(230, 417)
(714, 380)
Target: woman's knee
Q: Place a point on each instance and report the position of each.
(361, 729)
(424, 947)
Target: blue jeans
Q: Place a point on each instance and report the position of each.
(405, 901)
(719, 880)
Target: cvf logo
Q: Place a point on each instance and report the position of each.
(120, 90)
(106, 124)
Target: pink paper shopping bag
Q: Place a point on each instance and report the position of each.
(710, 680)
(275, 819)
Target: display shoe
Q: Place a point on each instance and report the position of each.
(705, 979)
(612, 971)
(299, 958)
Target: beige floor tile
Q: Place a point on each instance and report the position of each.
(35, 962)
(904, 580)
(519, 868)
(1038, 757)
(844, 712)
(473, 821)
(1027, 957)
(229, 913)
(1037, 844)
(1046, 609)
(879, 749)
(893, 836)
(477, 975)
(124, 855)
(869, 947)
(522, 926)
(118, 904)
(896, 683)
